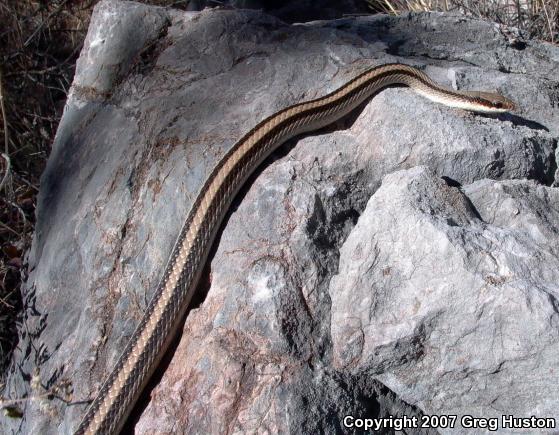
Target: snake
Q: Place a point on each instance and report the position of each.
(166, 311)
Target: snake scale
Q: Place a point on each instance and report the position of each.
(165, 312)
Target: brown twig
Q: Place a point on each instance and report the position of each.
(6, 172)
(4, 117)
(6, 153)
(549, 25)
(45, 21)
(4, 300)
(6, 227)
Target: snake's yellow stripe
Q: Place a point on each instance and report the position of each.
(109, 410)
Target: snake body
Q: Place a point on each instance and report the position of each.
(165, 312)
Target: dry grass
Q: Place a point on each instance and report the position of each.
(538, 18)
(39, 43)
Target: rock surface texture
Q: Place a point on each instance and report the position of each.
(402, 262)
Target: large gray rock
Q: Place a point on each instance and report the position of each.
(450, 297)
(160, 95)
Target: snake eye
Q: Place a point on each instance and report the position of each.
(498, 105)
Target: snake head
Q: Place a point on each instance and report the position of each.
(493, 102)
